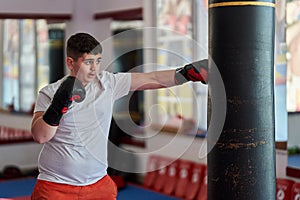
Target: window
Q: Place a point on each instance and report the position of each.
(177, 45)
(175, 49)
(24, 66)
(293, 68)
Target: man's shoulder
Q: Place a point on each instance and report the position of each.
(51, 87)
(105, 76)
(105, 73)
(111, 76)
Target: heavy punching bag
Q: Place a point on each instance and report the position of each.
(241, 160)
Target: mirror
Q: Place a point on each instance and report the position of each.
(293, 86)
(24, 66)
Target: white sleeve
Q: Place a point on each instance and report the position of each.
(45, 96)
(121, 85)
(42, 102)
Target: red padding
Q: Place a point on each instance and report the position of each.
(198, 172)
(152, 171)
(283, 188)
(202, 195)
(296, 191)
(184, 177)
(162, 175)
(172, 178)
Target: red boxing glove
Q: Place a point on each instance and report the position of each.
(196, 71)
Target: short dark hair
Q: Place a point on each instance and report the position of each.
(81, 43)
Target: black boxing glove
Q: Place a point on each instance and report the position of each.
(71, 89)
(196, 71)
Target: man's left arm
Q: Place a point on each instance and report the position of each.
(196, 71)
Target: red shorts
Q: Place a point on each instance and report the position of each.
(104, 189)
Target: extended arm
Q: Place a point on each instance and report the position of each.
(152, 80)
(196, 71)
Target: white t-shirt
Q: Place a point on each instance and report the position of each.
(77, 154)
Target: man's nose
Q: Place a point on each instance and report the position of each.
(93, 66)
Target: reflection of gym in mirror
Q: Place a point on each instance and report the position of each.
(293, 83)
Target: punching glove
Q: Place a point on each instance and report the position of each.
(71, 89)
(196, 71)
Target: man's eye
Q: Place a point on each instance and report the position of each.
(98, 61)
(87, 62)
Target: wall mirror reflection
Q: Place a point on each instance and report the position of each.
(24, 62)
(293, 85)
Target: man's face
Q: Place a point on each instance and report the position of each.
(86, 67)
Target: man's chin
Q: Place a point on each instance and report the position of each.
(89, 78)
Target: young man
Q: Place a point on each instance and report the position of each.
(72, 118)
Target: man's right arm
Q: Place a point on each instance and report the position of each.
(44, 124)
(40, 130)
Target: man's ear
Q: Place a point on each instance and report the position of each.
(70, 62)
